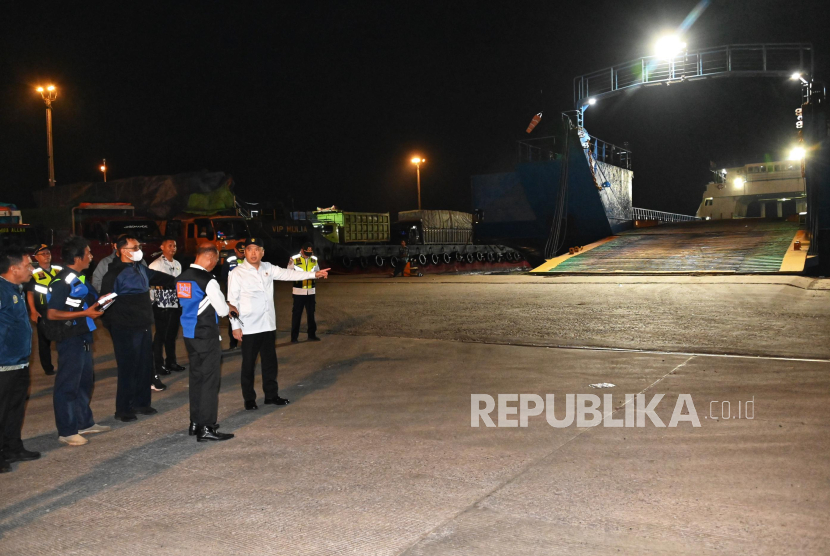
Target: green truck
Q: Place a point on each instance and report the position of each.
(339, 226)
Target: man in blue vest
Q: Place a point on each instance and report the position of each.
(71, 307)
(202, 304)
(15, 348)
(304, 293)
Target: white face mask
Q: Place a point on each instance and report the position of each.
(137, 255)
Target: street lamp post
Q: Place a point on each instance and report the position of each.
(48, 94)
(417, 162)
(104, 170)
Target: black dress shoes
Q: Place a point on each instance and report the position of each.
(50, 372)
(146, 410)
(206, 433)
(125, 417)
(250, 405)
(174, 367)
(163, 370)
(313, 339)
(21, 455)
(5, 466)
(194, 429)
(277, 401)
(295, 341)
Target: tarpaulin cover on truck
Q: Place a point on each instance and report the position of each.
(445, 219)
(159, 197)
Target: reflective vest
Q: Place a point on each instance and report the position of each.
(305, 287)
(42, 280)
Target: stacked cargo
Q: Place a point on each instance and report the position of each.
(441, 226)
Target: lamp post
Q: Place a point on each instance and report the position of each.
(48, 94)
(103, 168)
(417, 162)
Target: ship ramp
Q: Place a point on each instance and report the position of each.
(745, 246)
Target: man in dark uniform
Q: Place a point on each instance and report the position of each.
(130, 320)
(230, 263)
(304, 293)
(36, 291)
(15, 348)
(202, 304)
(71, 307)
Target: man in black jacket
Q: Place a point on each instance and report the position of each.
(129, 320)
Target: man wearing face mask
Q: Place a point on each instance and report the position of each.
(103, 266)
(130, 320)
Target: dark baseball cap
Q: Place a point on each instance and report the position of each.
(254, 241)
(240, 245)
(39, 248)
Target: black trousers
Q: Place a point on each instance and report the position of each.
(167, 328)
(44, 347)
(233, 343)
(205, 358)
(73, 386)
(14, 386)
(134, 355)
(309, 303)
(264, 345)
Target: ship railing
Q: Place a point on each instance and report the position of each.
(648, 214)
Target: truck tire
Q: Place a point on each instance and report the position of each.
(378, 261)
(470, 258)
(447, 258)
(422, 259)
(459, 256)
(346, 262)
(393, 261)
(480, 256)
(491, 257)
(435, 259)
(364, 263)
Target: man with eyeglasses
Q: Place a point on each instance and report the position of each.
(130, 320)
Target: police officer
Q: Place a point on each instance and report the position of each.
(230, 263)
(71, 309)
(202, 304)
(36, 292)
(304, 293)
(15, 347)
(251, 291)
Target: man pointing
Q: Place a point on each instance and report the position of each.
(251, 294)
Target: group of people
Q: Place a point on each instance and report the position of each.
(134, 297)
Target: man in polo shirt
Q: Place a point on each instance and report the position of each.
(15, 347)
(36, 291)
(251, 294)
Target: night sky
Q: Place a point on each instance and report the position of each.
(325, 102)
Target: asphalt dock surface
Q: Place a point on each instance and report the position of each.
(377, 455)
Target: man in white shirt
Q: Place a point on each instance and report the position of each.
(251, 294)
(166, 311)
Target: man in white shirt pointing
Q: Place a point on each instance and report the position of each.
(251, 294)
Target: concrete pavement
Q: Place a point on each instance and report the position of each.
(377, 456)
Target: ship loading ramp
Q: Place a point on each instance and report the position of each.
(741, 246)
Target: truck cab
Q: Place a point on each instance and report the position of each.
(101, 224)
(191, 230)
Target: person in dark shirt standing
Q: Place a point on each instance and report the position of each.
(71, 308)
(15, 348)
(129, 320)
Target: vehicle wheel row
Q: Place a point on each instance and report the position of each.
(433, 258)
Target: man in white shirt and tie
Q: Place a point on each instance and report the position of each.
(251, 294)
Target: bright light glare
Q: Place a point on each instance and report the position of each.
(50, 88)
(103, 168)
(592, 101)
(738, 182)
(795, 76)
(797, 153)
(669, 46)
(418, 160)
(39, 89)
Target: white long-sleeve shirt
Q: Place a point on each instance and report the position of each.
(251, 291)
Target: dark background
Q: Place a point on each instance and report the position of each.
(325, 103)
